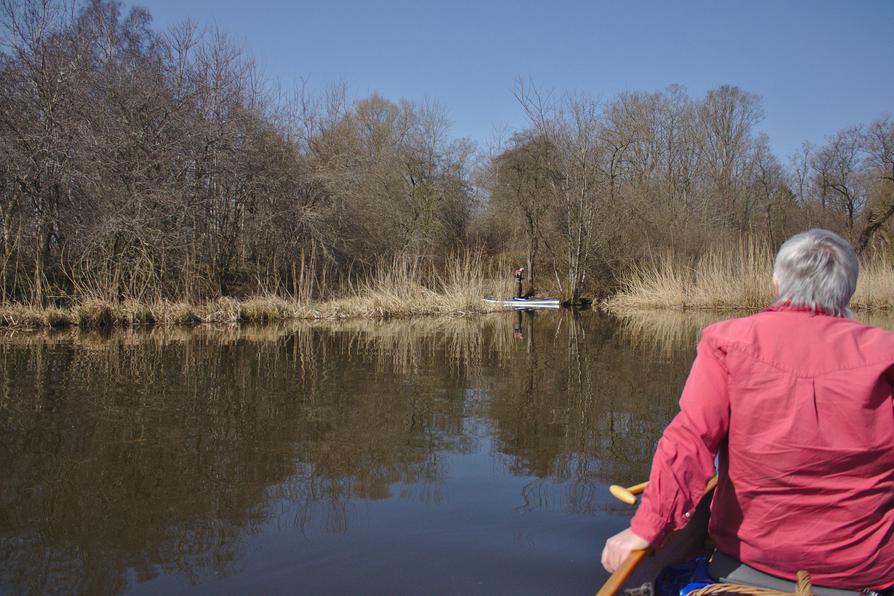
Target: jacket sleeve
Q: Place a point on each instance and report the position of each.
(684, 460)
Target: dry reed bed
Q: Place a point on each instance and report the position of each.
(262, 309)
(401, 288)
(735, 279)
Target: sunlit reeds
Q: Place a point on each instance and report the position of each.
(404, 286)
(409, 286)
(728, 279)
(721, 279)
(875, 286)
(18, 315)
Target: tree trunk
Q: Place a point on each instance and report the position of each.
(38, 293)
(7, 253)
(532, 259)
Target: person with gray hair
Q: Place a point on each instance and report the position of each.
(816, 269)
(796, 404)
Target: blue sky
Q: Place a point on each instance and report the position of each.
(819, 66)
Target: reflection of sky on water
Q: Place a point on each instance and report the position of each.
(479, 535)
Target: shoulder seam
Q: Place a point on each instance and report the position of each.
(738, 348)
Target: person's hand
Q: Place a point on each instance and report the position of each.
(618, 547)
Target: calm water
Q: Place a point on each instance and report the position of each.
(466, 456)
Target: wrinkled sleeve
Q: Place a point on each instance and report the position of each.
(684, 460)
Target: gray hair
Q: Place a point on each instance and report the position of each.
(817, 269)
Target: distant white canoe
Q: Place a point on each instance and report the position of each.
(525, 302)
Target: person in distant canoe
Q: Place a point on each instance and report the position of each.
(797, 402)
(519, 279)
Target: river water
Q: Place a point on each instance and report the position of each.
(430, 456)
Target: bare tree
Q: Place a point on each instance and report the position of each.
(728, 116)
(879, 146)
(836, 166)
(524, 180)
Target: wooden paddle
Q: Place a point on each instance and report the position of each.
(614, 583)
(628, 495)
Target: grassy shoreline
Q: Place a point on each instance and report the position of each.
(723, 280)
(731, 280)
(405, 287)
(262, 309)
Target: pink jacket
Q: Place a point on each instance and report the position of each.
(800, 408)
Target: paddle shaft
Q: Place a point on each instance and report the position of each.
(617, 579)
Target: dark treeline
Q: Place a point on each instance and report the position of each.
(159, 165)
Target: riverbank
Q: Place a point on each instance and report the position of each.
(96, 313)
(732, 280)
(403, 288)
(721, 281)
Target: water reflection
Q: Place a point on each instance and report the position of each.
(136, 457)
(667, 332)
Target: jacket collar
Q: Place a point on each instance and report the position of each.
(787, 306)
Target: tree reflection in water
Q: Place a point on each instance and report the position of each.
(143, 453)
